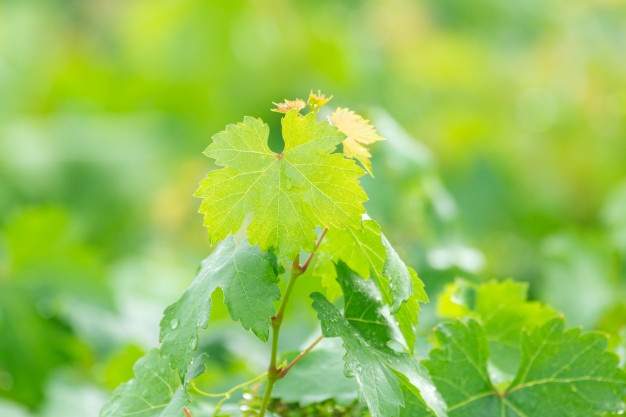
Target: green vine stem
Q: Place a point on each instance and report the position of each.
(226, 395)
(275, 373)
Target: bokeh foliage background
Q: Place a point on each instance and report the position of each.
(506, 158)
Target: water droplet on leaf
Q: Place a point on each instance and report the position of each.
(194, 343)
(174, 323)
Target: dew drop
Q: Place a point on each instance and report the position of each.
(194, 343)
(174, 324)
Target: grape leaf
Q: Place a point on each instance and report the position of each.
(361, 249)
(317, 377)
(359, 132)
(288, 194)
(378, 385)
(562, 373)
(407, 291)
(503, 310)
(367, 252)
(297, 104)
(317, 100)
(249, 284)
(367, 330)
(156, 391)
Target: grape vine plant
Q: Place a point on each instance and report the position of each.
(302, 215)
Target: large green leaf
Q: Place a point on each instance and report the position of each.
(249, 283)
(367, 252)
(562, 373)
(288, 194)
(504, 311)
(383, 375)
(156, 391)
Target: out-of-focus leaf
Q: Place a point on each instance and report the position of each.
(9, 409)
(614, 218)
(317, 377)
(577, 267)
(504, 312)
(45, 267)
(561, 373)
(119, 367)
(71, 395)
(156, 391)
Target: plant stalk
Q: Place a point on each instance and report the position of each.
(275, 373)
(305, 352)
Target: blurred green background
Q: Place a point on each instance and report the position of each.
(506, 158)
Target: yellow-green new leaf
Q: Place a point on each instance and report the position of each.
(359, 133)
(368, 253)
(288, 194)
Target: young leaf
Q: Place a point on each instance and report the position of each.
(288, 194)
(248, 281)
(359, 133)
(361, 249)
(317, 101)
(297, 104)
(367, 252)
(563, 373)
(366, 332)
(156, 391)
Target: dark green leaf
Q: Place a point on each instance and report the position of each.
(367, 330)
(248, 281)
(367, 252)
